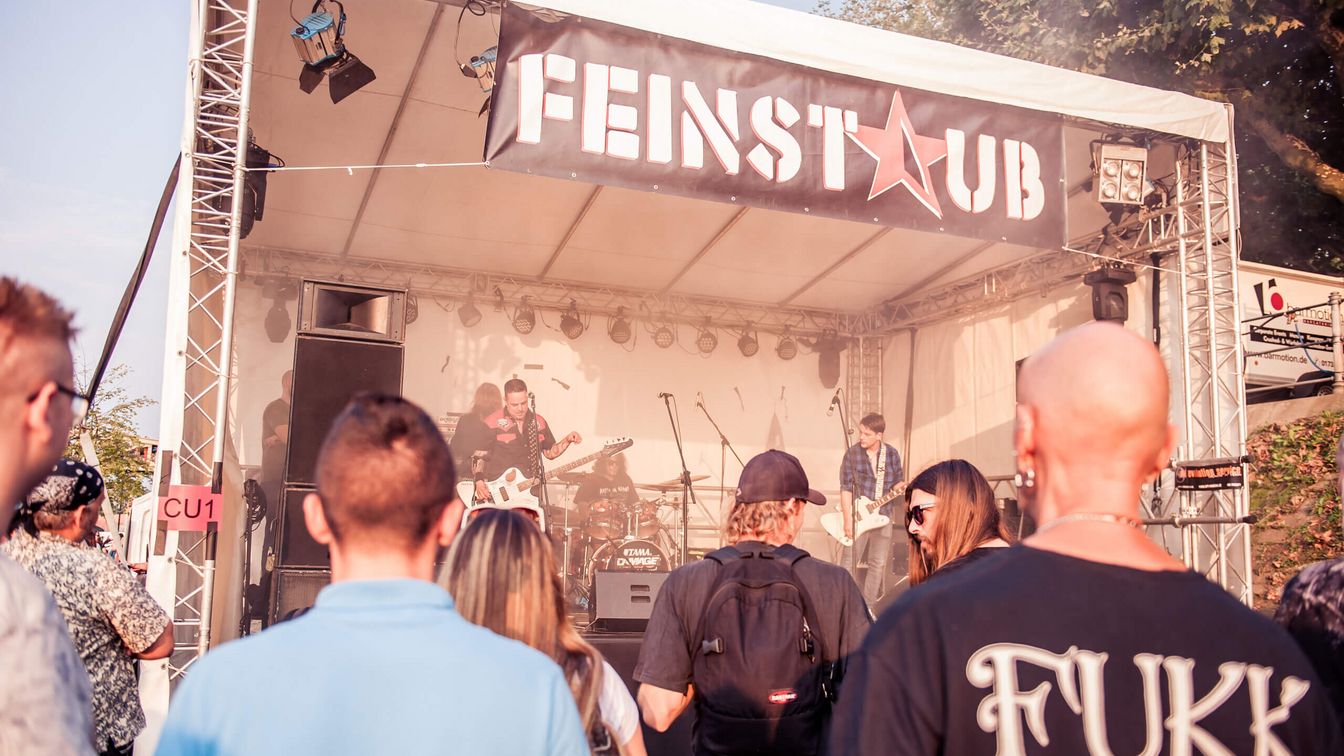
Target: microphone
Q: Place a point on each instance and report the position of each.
(664, 395)
(835, 402)
(563, 385)
(699, 399)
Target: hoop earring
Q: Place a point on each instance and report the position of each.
(1025, 481)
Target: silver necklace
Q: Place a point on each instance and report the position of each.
(1114, 519)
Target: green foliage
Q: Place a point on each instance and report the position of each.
(1294, 493)
(1280, 63)
(111, 424)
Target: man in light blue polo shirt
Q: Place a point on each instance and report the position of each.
(383, 663)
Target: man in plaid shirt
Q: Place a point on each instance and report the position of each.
(859, 478)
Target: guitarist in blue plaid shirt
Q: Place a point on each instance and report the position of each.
(865, 463)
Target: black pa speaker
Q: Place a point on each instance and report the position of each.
(327, 373)
(623, 601)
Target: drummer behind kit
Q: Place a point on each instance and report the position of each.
(866, 516)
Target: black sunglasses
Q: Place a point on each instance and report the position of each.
(916, 514)
(79, 403)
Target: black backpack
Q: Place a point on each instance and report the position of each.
(761, 684)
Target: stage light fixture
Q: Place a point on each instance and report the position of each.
(468, 313)
(499, 300)
(278, 320)
(524, 317)
(570, 323)
(482, 68)
(787, 348)
(1121, 172)
(747, 343)
(664, 337)
(706, 340)
(618, 328)
(1110, 293)
(320, 41)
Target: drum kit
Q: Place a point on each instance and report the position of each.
(635, 536)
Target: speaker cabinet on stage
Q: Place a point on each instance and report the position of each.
(349, 341)
(623, 601)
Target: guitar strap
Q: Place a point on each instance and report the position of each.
(533, 430)
(880, 475)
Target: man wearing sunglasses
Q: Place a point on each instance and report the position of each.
(45, 696)
(1089, 637)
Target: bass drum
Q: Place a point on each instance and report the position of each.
(634, 555)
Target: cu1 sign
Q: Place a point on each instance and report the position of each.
(189, 507)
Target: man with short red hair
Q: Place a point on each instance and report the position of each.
(45, 697)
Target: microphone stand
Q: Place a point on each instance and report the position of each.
(724, 446)
(687, 493)
(853, 509)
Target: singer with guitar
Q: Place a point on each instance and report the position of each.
(517, 438)
(870, 470)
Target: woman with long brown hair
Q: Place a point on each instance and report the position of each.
(502, 576)
(951, 519)
(472, 433)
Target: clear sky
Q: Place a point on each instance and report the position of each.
(91, 109)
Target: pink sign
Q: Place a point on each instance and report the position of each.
(189, 507)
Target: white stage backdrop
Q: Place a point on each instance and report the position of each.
(760, 402)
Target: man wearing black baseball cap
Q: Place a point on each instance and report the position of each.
(803, 616)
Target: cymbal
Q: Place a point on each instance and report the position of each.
(669, 485)
(569, 477)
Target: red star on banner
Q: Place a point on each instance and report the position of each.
(887, 146)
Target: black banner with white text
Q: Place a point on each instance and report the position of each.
(601, 103)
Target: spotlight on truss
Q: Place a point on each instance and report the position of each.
(468, 313)
(570, 323)
(320, 41)
(482, 68)
(747, 343)
(618, 328)
(1121, 172)
(524, 317)
(787, 348)
(706, 340)
(664, 337)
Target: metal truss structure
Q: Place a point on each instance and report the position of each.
(456, 285)
(213, 174)
(1192, 233)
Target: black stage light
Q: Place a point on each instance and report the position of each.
(468, 314)
(664, 337)
(570, 324)
(748, 345)
(320, 41)
(1110, 293)
(619, 328)
(278, 320)
(524, 318)
(706, 340)
(787, 348)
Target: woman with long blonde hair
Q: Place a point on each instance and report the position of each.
(951, 519)
(502, 576)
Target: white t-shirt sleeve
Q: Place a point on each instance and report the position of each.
(616, 705)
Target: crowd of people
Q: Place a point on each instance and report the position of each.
(1086, 637)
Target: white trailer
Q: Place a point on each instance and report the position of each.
(1290, 327)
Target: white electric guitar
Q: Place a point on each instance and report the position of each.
(866, 516)
(513, 489)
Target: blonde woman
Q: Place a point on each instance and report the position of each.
(503, 577)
